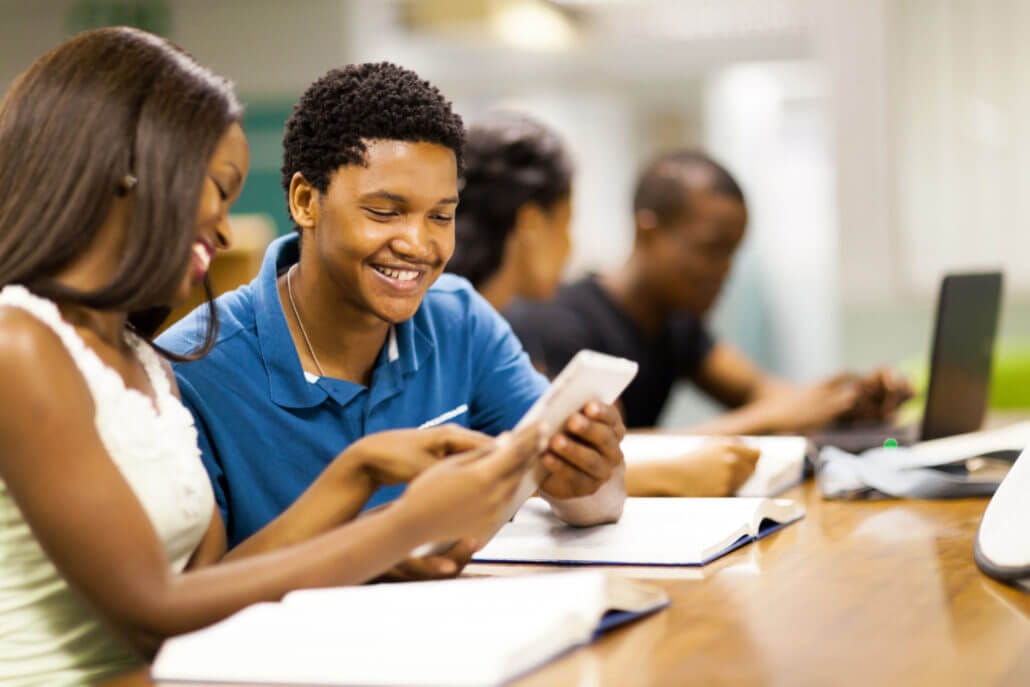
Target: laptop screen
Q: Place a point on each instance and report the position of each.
(963, 348)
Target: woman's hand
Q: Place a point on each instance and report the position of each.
(398, 456)
(437, 566)
(469, 495)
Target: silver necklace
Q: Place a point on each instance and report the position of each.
(303, 332)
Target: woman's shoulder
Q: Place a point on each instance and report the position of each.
(33, 359)
(24, 337)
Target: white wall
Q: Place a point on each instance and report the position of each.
(961, 104)
(767, 123)
(929, 102)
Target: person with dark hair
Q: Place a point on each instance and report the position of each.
(120, 157)
(349, 328)
(690, 217)
(512, 241)
(512, 228)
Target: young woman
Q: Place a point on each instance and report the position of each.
(119, 159)
(512, 241)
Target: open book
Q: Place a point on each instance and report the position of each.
(652, 531)
(780, 466)
(465, 632)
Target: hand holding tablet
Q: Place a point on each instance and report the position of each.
(589, 376)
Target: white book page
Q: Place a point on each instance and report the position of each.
(780, 466)
(447, 632)
(652, 531)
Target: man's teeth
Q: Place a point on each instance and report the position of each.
(400, 275)
(202, 254)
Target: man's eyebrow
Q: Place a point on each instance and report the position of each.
(402, 200)
(385, 195)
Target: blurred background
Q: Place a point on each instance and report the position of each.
(880, 142)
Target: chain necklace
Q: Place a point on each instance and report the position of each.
(303, 332)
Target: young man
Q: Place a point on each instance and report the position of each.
(690, 218)
(349, 328)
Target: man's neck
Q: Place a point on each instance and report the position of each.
(344, 341)
(628, 287)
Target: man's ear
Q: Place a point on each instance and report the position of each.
(646, 223)
(304, 199)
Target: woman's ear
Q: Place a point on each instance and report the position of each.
(304, 200)
(529, 221)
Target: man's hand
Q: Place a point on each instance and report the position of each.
(845, 397)
(398, 456)
(880, 394)
(717, 468)
(440, 566)
(808, 408)
(584, 456)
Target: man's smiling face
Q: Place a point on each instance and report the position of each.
(386, 229)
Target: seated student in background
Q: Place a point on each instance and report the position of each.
(349, 328)
(512, 241)
(690, 217)
(128, 156)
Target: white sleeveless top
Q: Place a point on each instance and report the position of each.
(48, 636)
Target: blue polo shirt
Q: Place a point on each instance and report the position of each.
(267, 431)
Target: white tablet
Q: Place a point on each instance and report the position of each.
(589, 376)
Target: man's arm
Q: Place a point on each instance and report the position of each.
(765, 404)
(729, 377)
(586, 485)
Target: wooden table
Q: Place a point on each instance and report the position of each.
(857, 593)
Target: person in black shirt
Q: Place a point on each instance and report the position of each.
(690, 217)
(512, 241)
(590, 317)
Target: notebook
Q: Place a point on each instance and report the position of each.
(475, 632)
(652, 531)
(781, 465)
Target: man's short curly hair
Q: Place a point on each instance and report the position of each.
(362, 102)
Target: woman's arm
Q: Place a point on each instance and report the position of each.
(93, 528)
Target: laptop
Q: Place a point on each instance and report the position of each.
(960, 368)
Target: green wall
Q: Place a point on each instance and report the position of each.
(263, 122)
